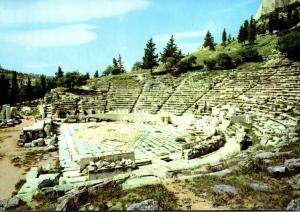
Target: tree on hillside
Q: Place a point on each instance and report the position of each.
(117, 67)
(224, 37)
(150, 58)
(120, 64)
(246, 30)
(252, 31)
(107, 71)
(115, 63)
(59, 73)
(72, 79)
(14, 91)
(137, 66)
(209, 41)
(27, 92)
(171, 51)
(229, 39)
(43, 85)
(96, 75)
(87, 76)
(4, 90)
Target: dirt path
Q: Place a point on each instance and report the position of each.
(187, 200)
(11, 172)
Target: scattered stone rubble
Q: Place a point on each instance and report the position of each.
(10, 203)
(290, 167)
(103, 165)
(9, 116)
(41, 133)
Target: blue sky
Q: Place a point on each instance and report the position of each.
(37, 36)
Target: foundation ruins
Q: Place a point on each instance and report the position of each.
(143, 129)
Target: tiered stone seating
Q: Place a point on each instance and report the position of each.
(93, 104)
(123, 93)
(192, 88)
(156, 92)
(236, 83)
(269, 95)
(65, 107)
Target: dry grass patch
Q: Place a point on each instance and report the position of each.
(115, 198)
(112, 197)
(30, 158)
(276, 198)
(2, 138)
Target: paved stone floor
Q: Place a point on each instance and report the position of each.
(93, 139)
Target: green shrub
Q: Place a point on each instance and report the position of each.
(250, 55)
(224, 61)
(290, 44)
(210, 63)
(185, 64)
(237, 61)
(171, 62)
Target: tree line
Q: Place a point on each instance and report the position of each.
(69, 79)
(11, 91)
(171, 56)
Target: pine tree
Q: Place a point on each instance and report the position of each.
(115, 63)
(43, 85)
(87, 76)
(59, 73)
(246, 30)
(252, 31)
(209, 41)
(4, 90)
(28, 90)
(14, 91)
(180, 55)
(224, 37)
(241, 35)
(229, 39)
(117, 67)
(96, 75)
(120, 64)
(150, 58)
(171, 50)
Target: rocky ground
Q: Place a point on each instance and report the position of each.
(186, 198)
(14, 161)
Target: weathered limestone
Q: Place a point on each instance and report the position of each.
(225, 189)
(277, 171)
(33, 181)
(10, 203)
(8, 116)
(259, 186)
(148, 205)
(294, 205)
(39, 134)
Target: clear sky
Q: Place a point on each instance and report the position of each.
(37, 36)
